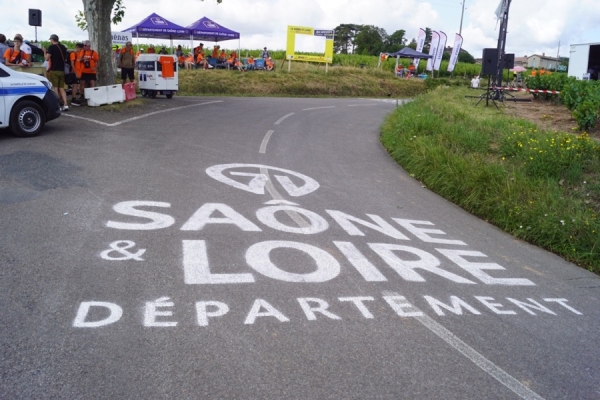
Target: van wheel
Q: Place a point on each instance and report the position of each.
(27, 119)
(169, 96)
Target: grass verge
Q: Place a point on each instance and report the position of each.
(302, 81)
(541, 186)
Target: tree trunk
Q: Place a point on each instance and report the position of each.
(98, 16)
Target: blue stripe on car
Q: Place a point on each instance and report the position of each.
(22, 90)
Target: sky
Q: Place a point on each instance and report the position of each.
(534, 27)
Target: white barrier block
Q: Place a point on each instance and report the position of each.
(96, 96)
(115, 94)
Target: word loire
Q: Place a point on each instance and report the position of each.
(404, 260)
(159, 313)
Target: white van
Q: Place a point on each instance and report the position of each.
(27, 102)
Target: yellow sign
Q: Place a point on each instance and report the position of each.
(290, 51)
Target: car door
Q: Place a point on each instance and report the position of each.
(3, 113)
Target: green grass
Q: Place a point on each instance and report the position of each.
(303, 80)
(540, 186)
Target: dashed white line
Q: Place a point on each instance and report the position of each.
(492, 369)
(360, 105)
(317, 108)
(263, 145)
(141, 116)
(280, 120)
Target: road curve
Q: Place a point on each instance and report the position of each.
(267, 248)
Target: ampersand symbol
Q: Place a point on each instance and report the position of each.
(121, 247)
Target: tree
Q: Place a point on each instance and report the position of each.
(344, 36)
(97, 15)
(395, 41)
(370, 40)
(466, 57)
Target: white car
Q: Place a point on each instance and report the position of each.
(27, 102)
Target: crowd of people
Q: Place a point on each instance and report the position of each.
(60, 65)
(201, 58)
(78, 67)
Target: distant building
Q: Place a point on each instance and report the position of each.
(521, 61)
(543, 61)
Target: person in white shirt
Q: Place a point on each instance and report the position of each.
(475, 81)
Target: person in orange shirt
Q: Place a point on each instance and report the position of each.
(222, 56)
(90, 59)
(16, 57)
(269, 64)
(233, 54)
(199, 49)
(140, 51)
(238, 65)
(76, 67)
(251, 63)
(151, 49)
(201, 61)
(189, 61)
(230, 62)
(181, 61)
(215, 52)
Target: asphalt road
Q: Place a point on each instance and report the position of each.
(249, 248)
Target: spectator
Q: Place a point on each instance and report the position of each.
(189, 61)
(222, 56)
(24, 46)
(151, 49)
(179, 51)
(56, 54)
(16, 57)
(400, 70)
(233, 54)
(201, 61)
(199, 49)
(237, 64)
(230, 62)
(90, 59)
(76, 67)
(475, 82)
(265, 54)
(215, 52)
(127, 63)
(3, 47)
(269, 64)
(251, 64)
(180, 60)
(163, 50)
(140, 51)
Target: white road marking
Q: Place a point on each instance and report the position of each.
(141, 116)
(280, 120)
(317, 108)
(360, 105)
(263, 145)
(492, 369)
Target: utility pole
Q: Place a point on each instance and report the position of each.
(505, 5)
(461, 17)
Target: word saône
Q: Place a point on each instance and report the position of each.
(404, 260)
(160, 313)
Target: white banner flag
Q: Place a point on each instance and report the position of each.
(440, 51)
(420, 43)
(433, 46)
(501, 9)
(455, 51)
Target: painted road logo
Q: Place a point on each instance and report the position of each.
(405, 261)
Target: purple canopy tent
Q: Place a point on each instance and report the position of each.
(156, 27)
(207, 29)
